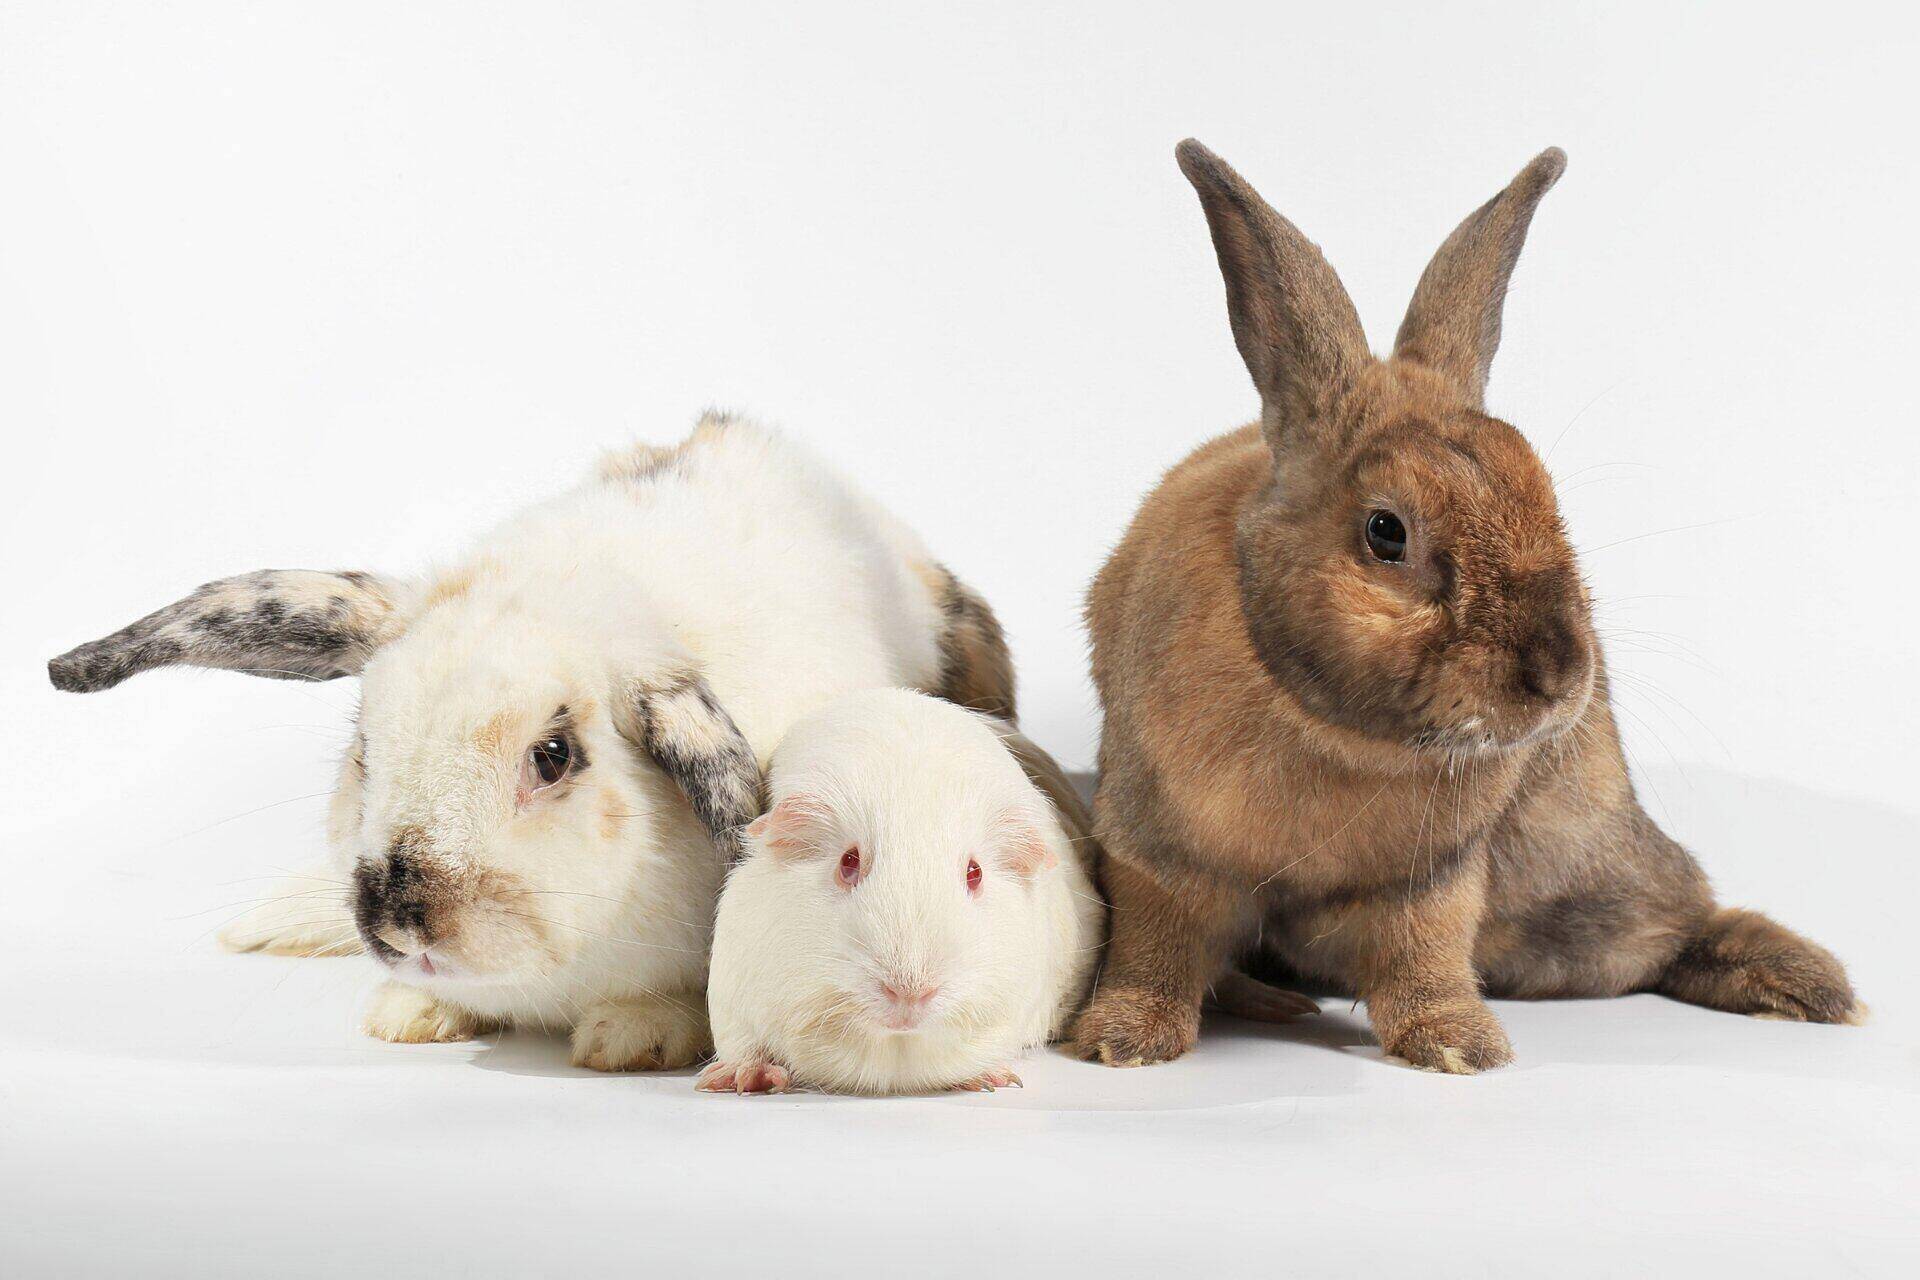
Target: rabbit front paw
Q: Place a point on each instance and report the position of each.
(407, 1015)
(1124, 1028)
(1457, 1041)
(643, 1033)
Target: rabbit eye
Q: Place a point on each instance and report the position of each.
(849, 872)
(1386, 537)
(973, 876)
(548, 761)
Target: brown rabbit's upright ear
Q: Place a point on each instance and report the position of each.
(1292, 319)
(1453, 322)
(286, 624)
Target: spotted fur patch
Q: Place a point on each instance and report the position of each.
(682, 727)
(282, 624)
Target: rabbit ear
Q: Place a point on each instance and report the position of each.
(1453, 322)
(286, 624)
(681, 726)
(1292, 319)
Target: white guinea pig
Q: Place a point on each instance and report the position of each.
(911, 915)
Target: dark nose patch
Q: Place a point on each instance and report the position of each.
(396, 892)
(1545, 646)
(1544, 662)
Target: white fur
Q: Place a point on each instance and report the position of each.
(919, 786)
(735, 554)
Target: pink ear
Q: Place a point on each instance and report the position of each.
(792, 828)
(1028, 851)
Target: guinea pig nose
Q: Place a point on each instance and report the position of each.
(909, 996)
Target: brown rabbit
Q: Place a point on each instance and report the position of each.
(1356, 712)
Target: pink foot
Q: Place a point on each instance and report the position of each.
(989, 1080)
(743, 1078)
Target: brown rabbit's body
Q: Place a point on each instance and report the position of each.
(1401, 776)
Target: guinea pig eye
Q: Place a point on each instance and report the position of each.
(973, 876)
(1386, 537)
(849, 872)
(548, 761)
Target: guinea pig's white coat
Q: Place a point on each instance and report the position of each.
(897, 975)
(666, 621)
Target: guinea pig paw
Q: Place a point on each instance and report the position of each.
(1454, 1044)
(642, 1033)
(743, 1078)
(989, 1080)
(407, 1015)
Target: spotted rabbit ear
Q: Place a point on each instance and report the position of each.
(285, 624)
(1453, 322)
(1292, 319)
(676, 720)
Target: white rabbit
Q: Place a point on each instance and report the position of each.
(557, 732)
(912, 914)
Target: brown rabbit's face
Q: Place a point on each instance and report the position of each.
(1407, 576)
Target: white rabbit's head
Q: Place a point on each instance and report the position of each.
(524, 769)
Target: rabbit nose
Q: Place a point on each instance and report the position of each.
(392, 902)
(1548, 663)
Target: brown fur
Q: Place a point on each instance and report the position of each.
(976, 669)
(1403, 778)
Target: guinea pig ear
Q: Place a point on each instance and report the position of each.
(1292, 319)
(1453, 322)
(793, 828)
(285, 624)
(676, 720)
(1025, 847)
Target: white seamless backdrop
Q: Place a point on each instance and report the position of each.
(337, 285)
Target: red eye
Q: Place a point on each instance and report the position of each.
(850, 868)
(973, 876)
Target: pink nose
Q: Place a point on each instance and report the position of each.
(907, 1004)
